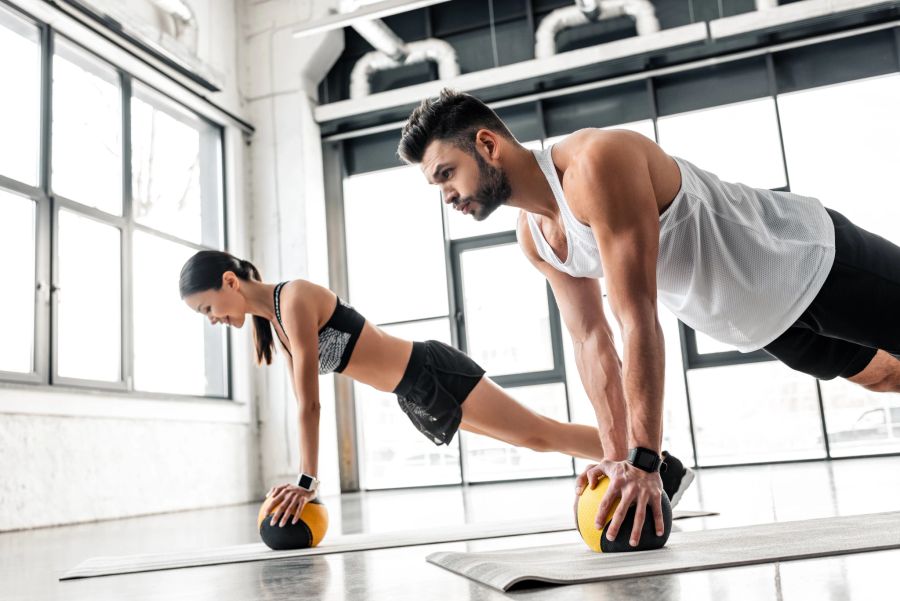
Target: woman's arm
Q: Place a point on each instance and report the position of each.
(300, 316)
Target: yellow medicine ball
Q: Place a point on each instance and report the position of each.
(307, 532)
(586, 506)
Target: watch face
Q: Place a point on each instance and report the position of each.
(646, 461)
(305, 481)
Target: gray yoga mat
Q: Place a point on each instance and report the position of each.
(128, 564)
(685, 552)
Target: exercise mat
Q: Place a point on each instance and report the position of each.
(685, 552)
(128, 564)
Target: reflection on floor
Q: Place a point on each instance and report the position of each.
(32, 561)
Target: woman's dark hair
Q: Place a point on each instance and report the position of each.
(204, 272)
(453, 116)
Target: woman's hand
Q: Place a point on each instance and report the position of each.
(290, 500)
(634, 487)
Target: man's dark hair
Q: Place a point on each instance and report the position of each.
(452, 116)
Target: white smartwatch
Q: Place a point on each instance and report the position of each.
(307, 482)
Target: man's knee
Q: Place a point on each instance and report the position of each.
(882, 374)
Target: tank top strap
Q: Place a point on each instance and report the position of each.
(583, 257)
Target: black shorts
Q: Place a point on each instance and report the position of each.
(856, 312)
(438, 378)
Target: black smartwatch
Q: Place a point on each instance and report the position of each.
(644, 459)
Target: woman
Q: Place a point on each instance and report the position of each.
(438, 387)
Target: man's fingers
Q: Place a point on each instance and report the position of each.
(603, 510)
(580, 482)
(656, 504)
(618, 517)
(594, 477)
(640, 515)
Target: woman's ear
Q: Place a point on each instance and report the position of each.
(231, 281)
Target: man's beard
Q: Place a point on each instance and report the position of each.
(493, 189)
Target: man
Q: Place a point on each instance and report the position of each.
(753, 268)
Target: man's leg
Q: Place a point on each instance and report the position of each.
(852, 327)
(882, 374)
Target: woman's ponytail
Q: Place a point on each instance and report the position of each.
(204, 271)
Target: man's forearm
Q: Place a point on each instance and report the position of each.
(643, 372)
(601, 374)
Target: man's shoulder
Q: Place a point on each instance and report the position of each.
(599, 149)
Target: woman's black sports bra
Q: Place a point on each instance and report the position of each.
(336, 338)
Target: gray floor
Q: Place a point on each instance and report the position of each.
(32, 561)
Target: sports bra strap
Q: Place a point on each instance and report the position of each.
(277, 295)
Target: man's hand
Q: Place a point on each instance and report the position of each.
(632, 485)
(290, 500)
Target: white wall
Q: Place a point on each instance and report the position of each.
(278, 79)
(71, 456)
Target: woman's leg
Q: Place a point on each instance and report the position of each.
(490, 411)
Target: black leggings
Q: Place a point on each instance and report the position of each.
(856, 312)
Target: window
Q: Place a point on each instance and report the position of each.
(507, 319)
(104, 234)
(20, 104)
(395, 249)
(754, 413)
(860, 422)
(87, 129)
(175, 169)
(841, 147)
(397, 273)
(17, 239)
(88, 299)
(643, 127)
(737, 142)
(174, 350)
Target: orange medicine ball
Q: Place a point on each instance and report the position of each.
(307, 532)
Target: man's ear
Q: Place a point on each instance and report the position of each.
(487, 143)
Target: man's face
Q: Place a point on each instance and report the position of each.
(467, 181)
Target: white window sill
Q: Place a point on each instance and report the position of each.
(25, 399)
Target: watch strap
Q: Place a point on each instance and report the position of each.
(644, 459)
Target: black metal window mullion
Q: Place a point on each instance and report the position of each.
(773, 92)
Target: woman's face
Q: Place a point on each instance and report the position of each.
(225, 305)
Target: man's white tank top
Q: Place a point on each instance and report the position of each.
(739, 264)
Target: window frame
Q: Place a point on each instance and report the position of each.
(47, 206)
(555, 375)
